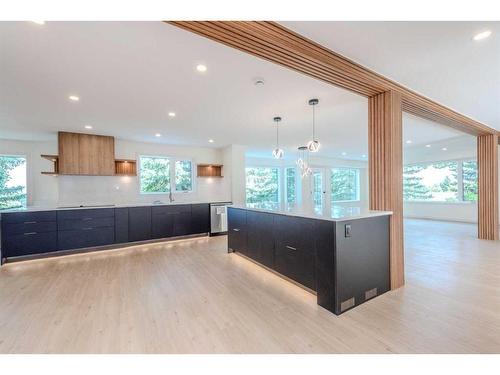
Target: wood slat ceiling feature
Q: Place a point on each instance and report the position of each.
(275, 43)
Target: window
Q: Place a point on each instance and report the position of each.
(183, 176)
(469, 178)
(290, 188)
(344, 185)
(317, 190)
(12, 181)
(262, 187)
(157, 176)
(443, 181)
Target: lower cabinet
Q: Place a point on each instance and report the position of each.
(139, 223)
(38, 232)
(295, 249)
(260, 237)
(237, 230)
(85, 228)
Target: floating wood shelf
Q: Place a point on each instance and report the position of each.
(210, 170)
(125, 167)
(54, 159)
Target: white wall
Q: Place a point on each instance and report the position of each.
(73, 190)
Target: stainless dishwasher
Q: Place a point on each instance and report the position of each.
(218, 218)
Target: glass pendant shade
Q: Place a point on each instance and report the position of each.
(313, 146)
(278, 153)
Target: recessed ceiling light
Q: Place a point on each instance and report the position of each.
(74, 98)
(409, 141)
(88, 126)
(157, 135)
(444, 149)
(363, 156)
(259, 82)
(482, 35)
(344, 153)
(211, 140)
(171, 114)
(428, 146)
(201, 68)
(39, 22)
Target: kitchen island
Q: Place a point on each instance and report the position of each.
(344, 259)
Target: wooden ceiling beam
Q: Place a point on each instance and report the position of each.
(273, 42)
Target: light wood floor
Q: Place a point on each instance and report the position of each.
(192, 297)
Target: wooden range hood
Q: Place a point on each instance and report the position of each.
(88, 155)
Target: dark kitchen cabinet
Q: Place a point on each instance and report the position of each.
(162, 222)
(27, 233)
(200, 218)
(182, 219)
(295, 249)
(139, 223)
(121, 225)
(237, 236)
(85, 228)
(260, 237)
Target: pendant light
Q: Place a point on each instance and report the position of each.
(303, 161)
(278, 153)
(313, 145)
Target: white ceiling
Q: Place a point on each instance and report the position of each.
(437, 59)
(129, 75)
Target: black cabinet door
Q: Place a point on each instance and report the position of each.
(139, 223)
(200, 218)
(29, 243)
(121, 225)
(162, 224)
(237, 236)
(295, 249)
(182, 224)
(260, 237)
(88, 237)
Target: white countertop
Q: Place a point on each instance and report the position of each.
(341, 214)
(52, 208)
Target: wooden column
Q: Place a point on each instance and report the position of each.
(385, 145)
(487, 160)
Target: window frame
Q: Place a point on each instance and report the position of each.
(173, 188)
(460, 182)
(358, 185)
(27, 187)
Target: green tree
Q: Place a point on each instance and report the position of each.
(183, 175)
(469, 173)
(291, 182)
(155, 175)
(10, 196)
(413, 188)
(344, 184)
(262, 187)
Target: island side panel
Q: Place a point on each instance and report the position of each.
(362, 266)
(325, 264)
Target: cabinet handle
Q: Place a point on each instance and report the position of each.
(87, 228)
(29, 233)
(291, 248)
(30, 222)
(236, 229)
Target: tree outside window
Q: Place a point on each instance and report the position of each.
(262, 187)
(183, 175)
(155, 174)
(12, 182)
(344, 184)
(469, 178)
(290, 188)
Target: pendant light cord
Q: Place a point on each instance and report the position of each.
(314, 138)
